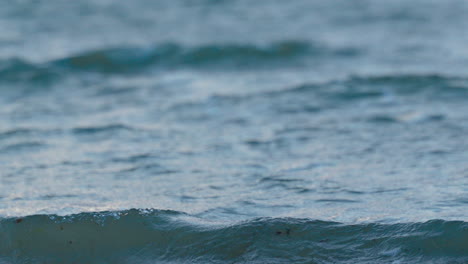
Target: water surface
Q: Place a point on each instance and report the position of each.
(343, 122)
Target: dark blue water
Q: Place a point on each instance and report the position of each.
(242, 131)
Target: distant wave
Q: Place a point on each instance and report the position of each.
(171, 55)
(142, 236)
(17, 70)
(364, 87)
(297, 99)
(361, 87)
(96, 130)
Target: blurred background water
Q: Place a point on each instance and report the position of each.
(226, 111)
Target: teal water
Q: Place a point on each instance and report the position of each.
(242, 131)
(150, 236)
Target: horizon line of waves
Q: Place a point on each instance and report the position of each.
(131, 236)
(128, 59)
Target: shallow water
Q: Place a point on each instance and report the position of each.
(342, 121)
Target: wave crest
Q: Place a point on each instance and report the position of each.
(168, 236)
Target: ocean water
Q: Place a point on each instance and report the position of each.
(211, 131)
